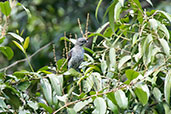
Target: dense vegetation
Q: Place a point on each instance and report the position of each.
(127, 69)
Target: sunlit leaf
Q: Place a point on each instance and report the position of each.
(26, 43)
(71, 111)
(16, 36)
(19, 46)
(165, 46)
(134, 40)
(5, 8)
(167, 87)
(112, 57)
(2, 103)
(123, 60)
(165, 30)
(121, 99)
(47, 90)
(57, 83)
(168, 16)
(149, 1)
(117, 11)
(100, 105)
(122, 2)
(157, 94)
(153, 24)
(80, 105)
(63, 98)
(33, 105)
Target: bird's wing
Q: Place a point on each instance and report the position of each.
(69, 55)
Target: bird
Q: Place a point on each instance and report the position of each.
(76, 54)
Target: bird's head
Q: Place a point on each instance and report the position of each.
(81, 41)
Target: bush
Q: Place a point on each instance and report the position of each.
(128, 71)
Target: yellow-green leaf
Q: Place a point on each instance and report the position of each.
(19, 46)
(5, 8)
(26, 43)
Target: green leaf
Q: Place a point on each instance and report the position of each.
(112, 107)
(117, 11)
(47, 108)
(55, 99)
(112, 57)
(100, 105)
(134, 40)
(89, 50)
(166, 109)
(5, 8)
(26, 43)
(80, 105)
(2, 40)
(142, 93)
(123, 60)
(111, 97)
(122, 2)
(47, 90)
(97, 8)
(111, 17)
(88, 83)
(12, 97)
(16, 36)
(168, 16)
(27, 10)
(157, 94)
(19, 46)
(63, 98)
(60, 63)
(23, 85)
(167, 87)
(33, 105)
(165, 46)
(121, 99)
(7, 51)
(103, 64)
(57, 83)
(21, 74)
(149, 1)
(2, 103)
(153, 24)
(165, 30)
(71, 111)
(131, 74)
(72, 72)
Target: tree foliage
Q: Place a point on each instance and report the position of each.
(128, 71)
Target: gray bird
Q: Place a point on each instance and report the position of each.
(76, 54)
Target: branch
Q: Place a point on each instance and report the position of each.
(68, 104)
(22, 60)
(123, 86)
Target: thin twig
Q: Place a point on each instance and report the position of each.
(54, 55)
(65, 42)
(80, 27)
(22, 60)
(86, 30)
(123, 86)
